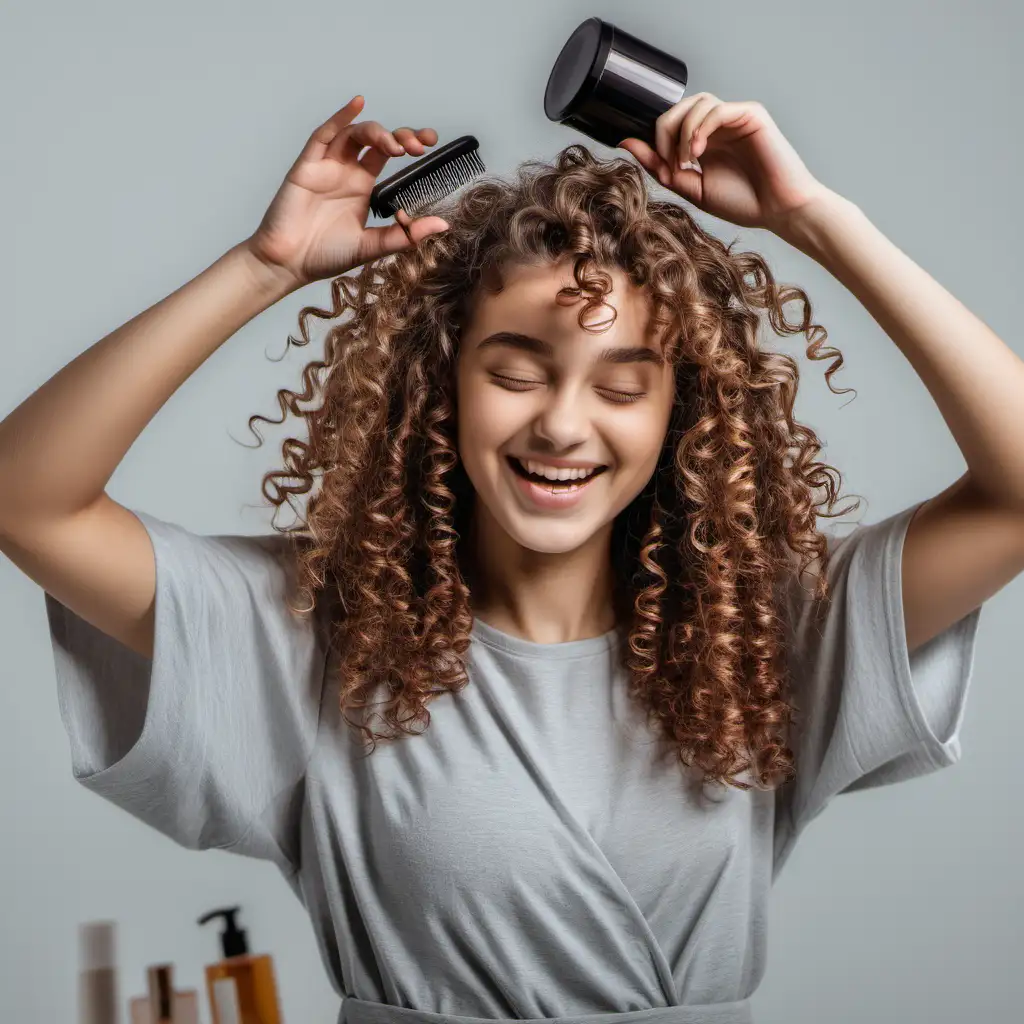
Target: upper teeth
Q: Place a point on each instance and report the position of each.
(553, 473)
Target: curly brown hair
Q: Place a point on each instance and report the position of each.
(698, 555)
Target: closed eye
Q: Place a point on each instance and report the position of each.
(623, 397)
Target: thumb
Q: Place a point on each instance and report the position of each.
(418, 229)
(399, 237)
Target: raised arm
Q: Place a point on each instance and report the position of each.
(59, 448)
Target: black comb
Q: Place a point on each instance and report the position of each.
(431, 177)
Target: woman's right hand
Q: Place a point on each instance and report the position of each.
(315, 227)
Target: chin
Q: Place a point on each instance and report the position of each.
(551, 538)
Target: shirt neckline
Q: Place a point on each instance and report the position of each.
(491, 636)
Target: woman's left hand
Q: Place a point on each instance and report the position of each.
(749, 173)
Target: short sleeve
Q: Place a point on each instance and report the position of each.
(209, 740)
(868, 712)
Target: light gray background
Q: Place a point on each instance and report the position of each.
(148, 139)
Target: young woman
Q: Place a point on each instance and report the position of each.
(562, 500)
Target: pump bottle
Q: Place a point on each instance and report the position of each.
(255, 984)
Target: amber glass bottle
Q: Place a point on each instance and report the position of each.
(253, 976)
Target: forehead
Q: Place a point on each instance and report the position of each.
(529, 302)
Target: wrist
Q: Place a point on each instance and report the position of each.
(807, 228)
(270, 281)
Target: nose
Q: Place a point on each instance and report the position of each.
(563, 420)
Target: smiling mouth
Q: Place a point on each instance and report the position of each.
(555, 486)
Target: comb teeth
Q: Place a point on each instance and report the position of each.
(432, 177)
(440, 182)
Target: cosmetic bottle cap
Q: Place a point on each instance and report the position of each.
(232, 939)
(97, 945)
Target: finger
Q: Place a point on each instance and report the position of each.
(399, 237)
(666, 128)
(416, 140)
(696, 115)
(414, 143)
(422, 227)
(646, 157)
(404, 221)
(373, 160)
(686, 183)
(726, 115)
(321, 139)
(418, 229)
(351, 141)
(382, 241)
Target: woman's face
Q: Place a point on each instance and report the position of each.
(559, 401)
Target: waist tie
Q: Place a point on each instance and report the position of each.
(362, 1011)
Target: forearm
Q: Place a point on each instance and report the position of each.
(975, 379)
(60, 447)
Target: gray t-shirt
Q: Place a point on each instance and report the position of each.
(535, 852)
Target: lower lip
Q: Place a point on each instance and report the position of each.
(544, 498)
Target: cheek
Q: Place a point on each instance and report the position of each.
(638, 441)
(486, 422)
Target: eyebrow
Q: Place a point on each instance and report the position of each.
(622, 354)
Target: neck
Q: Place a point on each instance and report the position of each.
(539, 596)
